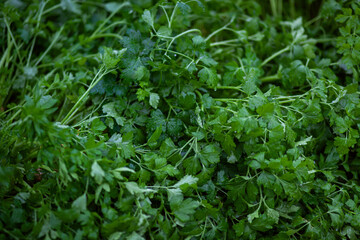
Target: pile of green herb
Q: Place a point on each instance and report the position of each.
(190, 119)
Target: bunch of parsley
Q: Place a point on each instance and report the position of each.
(190, 119)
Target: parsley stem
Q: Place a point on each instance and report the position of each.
(113, 24)
(40, 14)
(6, 54)
(10, 234)
(275, 55)
(230, 99)
(103, 35)
(172, 15)
(57, 35)
(14, 116)
(226, 109)
(226, 100)
(85, 119)
(226, 42)
(52, 8)
(312, 21)
(229, 87)
(166, 15)
(273, 7)
(181, 34)
(178, 53)
(270, 78)
(3, 113)
(75, 108)
(108, 18)
(220, 29)
(319, 40)
(13, 39)
(287, 101)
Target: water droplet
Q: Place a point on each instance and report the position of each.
(175, 54)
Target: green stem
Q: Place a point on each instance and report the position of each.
(10, 234)
(172, 15)
(220, 29)
(166, 15)
(6, 54)
(181, 34)
(178, 53)
(275, 55)
(312, 21)
(89, 115)
(50, 46)
(229, 88)
(13, 39)
(186, 154)
(113, 24)
(226, 109)
(108, 18)
(225, 100)
(40, 13)
(280, 7)
(271, 78)
(186, 32)
(273, 7)
(292, 9)
(287, 101)
(9, 110)
(320, 40)
(53, 8)
(226, 42)
(14, 116)
(229, 99)
(75, 108)
(103, 35)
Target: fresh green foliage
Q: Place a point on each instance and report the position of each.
(179, 119)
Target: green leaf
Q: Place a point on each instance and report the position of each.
(97, 172)
(80, 203)
(266, 109)
(155, 136)
(110, 110)
(228, 144)
(336, 220)
(187, 100)
(167, 147)
(111, 57)
(273, 215)
(154, 100)
(184, 8)
(343, 144)
(147, 17)
(141, 73)
(266, 179)
(253, 215)
(71, 6)
(134, 188)
(239, 228)
(97, 125)
(208, 76)
(187, 179)
(183, 210)
(135, 236)
(209, 155)
(192, 165)
(164, 31)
